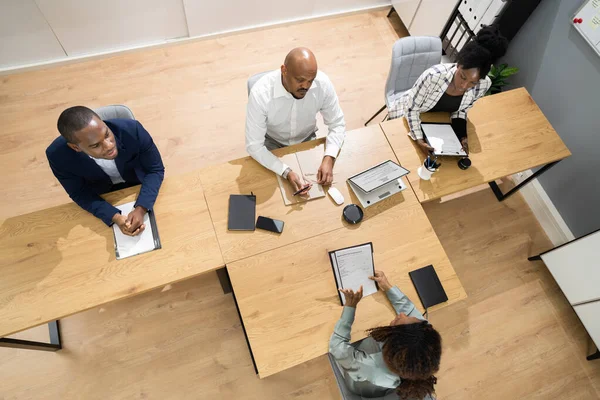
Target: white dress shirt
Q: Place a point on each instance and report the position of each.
(273, 111)
(110, 168)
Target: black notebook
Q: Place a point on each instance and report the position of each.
(428, 285)
(242, 212)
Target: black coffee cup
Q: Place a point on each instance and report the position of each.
(464, 163)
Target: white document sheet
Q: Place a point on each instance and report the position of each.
(377, 176)
(352, 268)
(443, 139)
(127, 246)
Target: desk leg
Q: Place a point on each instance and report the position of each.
(54, 345)
(377, 113)
(594, 356)
(501, 197)
(224, 280)
(243, 327)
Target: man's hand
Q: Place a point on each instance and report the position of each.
(465, 144)
(423, 145)
(352, 298)
(298, 182)
(325, 174)
(381, 280)
(135, 220)
(121, 222)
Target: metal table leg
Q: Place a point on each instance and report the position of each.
(237, 307)
(594, 356)
(501, 196)
(224, 280)
(54, 345)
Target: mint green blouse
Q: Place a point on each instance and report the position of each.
(362, 364)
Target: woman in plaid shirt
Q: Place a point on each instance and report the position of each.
(452, 87)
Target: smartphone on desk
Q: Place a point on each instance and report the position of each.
(269, 224)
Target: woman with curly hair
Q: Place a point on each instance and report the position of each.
(402, 357)
(452, 88)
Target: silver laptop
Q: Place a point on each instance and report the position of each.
(378, 182)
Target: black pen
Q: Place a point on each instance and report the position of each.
(301, 190)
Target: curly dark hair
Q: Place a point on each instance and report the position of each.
(481, 52)
(413, 352)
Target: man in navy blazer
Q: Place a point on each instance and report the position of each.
(92, 157)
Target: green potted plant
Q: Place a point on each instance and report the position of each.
(498, 76)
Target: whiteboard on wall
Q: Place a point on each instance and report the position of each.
(587, 22)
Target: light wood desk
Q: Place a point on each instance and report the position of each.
(61, 261)
(362, 149)
(288, 300)
(508, 133)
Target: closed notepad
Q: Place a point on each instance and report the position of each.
(428, 285)
(242, 212)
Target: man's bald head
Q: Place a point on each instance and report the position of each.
(299, 71)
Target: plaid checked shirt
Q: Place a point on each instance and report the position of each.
(427, 91)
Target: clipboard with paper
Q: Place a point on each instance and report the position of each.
(148, 240)
(443, 139)
(352, 267)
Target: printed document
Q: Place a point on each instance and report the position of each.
(352, 268)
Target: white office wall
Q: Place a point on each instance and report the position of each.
(95, 26)
(323, 7)
(25, 37)
(206, 17)
(209, 17)
(33, 31)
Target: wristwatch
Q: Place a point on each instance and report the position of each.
(286, 172)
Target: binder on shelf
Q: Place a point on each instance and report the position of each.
(493, 12)
(478, 12)
(467, 7)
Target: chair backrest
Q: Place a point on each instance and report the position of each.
(254, 78)
(346, 393)
(411, 56)
(114, 111)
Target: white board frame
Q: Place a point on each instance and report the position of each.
(578, 28)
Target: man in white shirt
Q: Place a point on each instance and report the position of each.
(282, 109)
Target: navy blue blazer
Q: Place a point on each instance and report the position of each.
(138, 161)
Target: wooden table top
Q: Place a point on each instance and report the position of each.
(288, 299)
(362, 149)
(508, 133)
(61, 261)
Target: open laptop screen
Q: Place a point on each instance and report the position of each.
(378, 176)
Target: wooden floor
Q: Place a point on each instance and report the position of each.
(515, 337)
